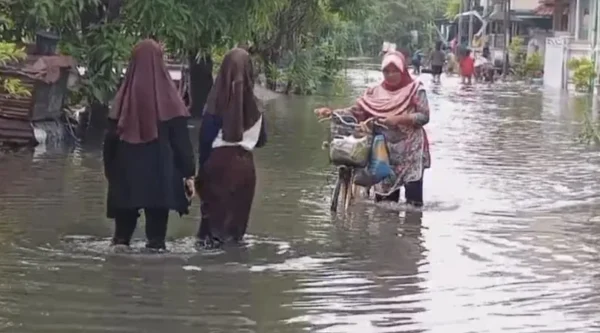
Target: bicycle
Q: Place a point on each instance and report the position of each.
(343, 126)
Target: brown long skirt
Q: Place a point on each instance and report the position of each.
(227, 191)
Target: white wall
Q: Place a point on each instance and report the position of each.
(524, 4)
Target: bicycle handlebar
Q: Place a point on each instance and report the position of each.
(343, 121)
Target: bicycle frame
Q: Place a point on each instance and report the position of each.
(345, 178)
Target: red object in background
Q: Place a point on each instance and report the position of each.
(467, 66)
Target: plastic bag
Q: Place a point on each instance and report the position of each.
(379, 166)
(350, 151)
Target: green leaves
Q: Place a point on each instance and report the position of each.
(583, 72)
(9, 53)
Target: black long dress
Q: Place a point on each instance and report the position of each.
(149, 175)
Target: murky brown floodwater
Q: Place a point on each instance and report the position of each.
(508, 241)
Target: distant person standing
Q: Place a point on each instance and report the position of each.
(416, 62)
(437, 60)
(467, 67)
(532, 46)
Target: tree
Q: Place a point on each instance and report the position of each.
(100, 34)
(307, 37)
(193, 28)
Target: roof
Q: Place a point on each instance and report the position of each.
(547, 9)
(499, 16)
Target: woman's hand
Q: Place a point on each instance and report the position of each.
(323, 112)
(402, 119)
(363, 127)
(190, 189)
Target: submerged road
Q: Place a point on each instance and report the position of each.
(508, 241)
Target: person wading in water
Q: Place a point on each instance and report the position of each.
(401, 104)
(232, 127)
(437, 59)
(148, 156)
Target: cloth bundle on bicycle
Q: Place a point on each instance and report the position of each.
(379, 166)
(350, 151)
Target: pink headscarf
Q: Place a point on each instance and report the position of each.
(386, 99)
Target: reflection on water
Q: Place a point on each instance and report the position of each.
(507, 242)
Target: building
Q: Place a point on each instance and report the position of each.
(574, 25)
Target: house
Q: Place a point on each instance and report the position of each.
(574, 24)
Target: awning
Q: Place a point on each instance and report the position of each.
(548, 10)
(473, 12)
(499, 16)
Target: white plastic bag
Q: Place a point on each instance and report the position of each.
(350, 151)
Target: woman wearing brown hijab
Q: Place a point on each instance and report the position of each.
(148, 157)
(232, 127)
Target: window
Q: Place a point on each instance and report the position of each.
(584, 14)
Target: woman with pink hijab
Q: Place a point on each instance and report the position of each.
(400, 102)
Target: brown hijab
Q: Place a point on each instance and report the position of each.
(232, 96)
(146, 97)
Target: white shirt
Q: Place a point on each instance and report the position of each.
(249, 139)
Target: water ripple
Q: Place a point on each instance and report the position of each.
(507, 241)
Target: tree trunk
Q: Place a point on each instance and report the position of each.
(98, 112)
(270, 60)
(98, 118)
(201, 82)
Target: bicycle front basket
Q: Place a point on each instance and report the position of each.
(350, 151)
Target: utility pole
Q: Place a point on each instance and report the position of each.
(460, 23)
(506, 37)
(470, 8)
(596, 16)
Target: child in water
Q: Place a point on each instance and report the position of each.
(467, 67)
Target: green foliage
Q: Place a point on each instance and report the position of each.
(100, 33)
(534, 65)
(518, 56)
(516, 45)
(590, 127)
(300, 43)
(393, 20)
(104, 54)
(9, 53)
(583, 73)
(523, 65)
(452, 9)
(590, 132)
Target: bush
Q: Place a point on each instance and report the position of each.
(534, 65)
(518, 56)
(583, 73)
(9, 52)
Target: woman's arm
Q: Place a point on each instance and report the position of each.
(356, 111)
(182, 146)
(262, 138)
(421, 115)
(209, 129)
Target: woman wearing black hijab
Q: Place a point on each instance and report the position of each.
(148, 157)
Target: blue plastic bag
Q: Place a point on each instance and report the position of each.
(379, 167)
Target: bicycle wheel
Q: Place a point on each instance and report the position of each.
(351, 189)
(335, 197)
(347, 188)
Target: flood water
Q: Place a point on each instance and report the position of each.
(509, 240)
